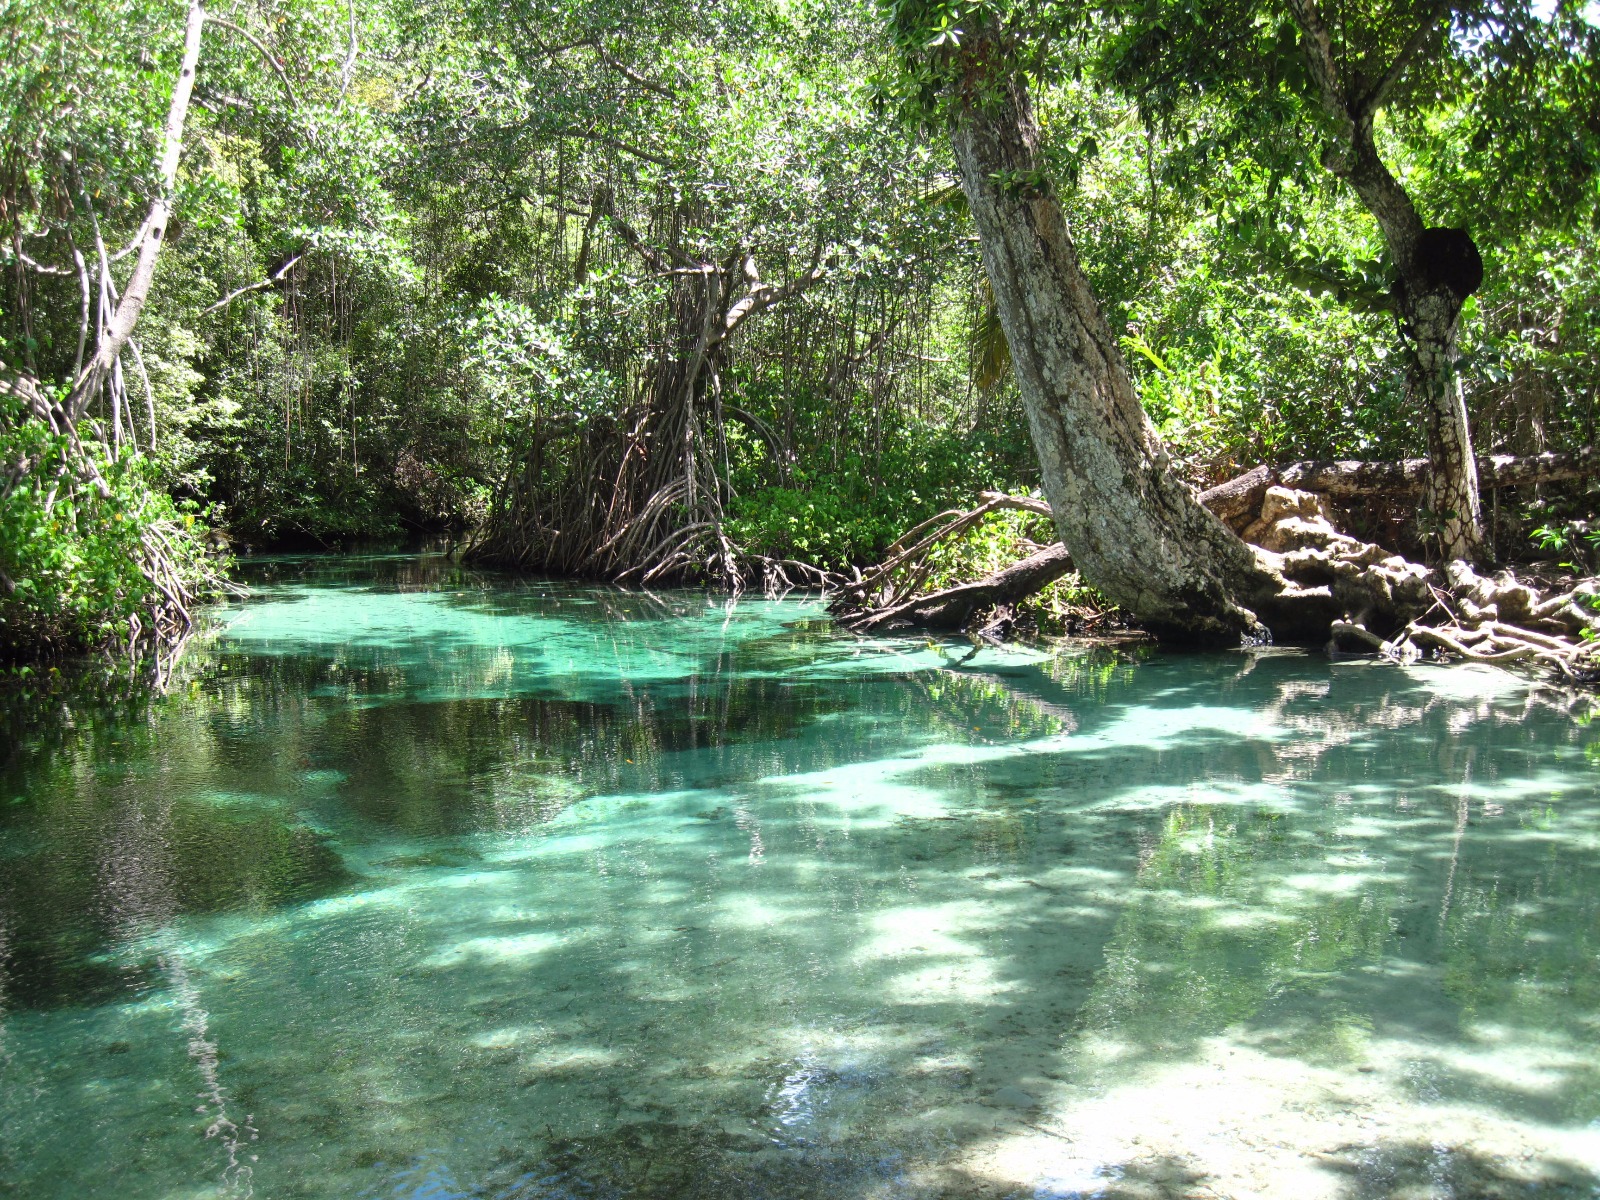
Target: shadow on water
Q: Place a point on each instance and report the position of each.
(659, 899)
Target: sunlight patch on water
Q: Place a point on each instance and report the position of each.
(1250, 1124)
(541, 891)
(518, 949)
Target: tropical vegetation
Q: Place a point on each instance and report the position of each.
(719, 292)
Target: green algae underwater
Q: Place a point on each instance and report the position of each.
(424, 883)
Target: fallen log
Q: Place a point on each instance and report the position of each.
(1239, 498)
(906, 564)
(953, 607)
(1237, 501)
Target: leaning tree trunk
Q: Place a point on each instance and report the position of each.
(1132, 527)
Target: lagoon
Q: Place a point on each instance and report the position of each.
(425, 883)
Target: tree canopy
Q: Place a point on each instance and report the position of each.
(677, 290)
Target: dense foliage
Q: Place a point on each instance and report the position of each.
(426, 256)
(70, 535)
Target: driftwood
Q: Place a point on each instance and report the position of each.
(885, 596)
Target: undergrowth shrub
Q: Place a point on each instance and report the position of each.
(73, 557)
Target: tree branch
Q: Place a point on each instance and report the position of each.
(113, 338)
(763, 296)
(347, 72)
(259, 285)
(272, 61)
(1353, 156)
(1319, 59)
(656, 259)
(617, 144)
(1373, 100)
(28, 260)
(26, 388)
(149, 393)
(634, 77)
(83, 309)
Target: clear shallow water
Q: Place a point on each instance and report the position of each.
(426, 885)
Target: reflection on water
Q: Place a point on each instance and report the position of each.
(427, 884)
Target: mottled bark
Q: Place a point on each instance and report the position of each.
(1429, 307)
(1133, 528)
(1452, 495)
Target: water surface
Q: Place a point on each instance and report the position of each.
(427, 884)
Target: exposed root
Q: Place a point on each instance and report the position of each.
(1501, 619)
(1400, 609)
(1367, 600)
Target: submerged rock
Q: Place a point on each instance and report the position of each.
(1014, 1097)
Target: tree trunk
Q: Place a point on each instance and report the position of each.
(640, 497)
(1430, 311)
(1430, 288)
(153, 236)
(1133, 528)
(1452, 497)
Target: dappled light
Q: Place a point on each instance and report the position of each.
(896, 600)
(814, 916)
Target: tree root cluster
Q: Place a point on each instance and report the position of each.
(1403, 610)
(641, 498)
(1357, 596)
(1498, 620)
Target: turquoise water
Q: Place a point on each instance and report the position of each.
(426, 884)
